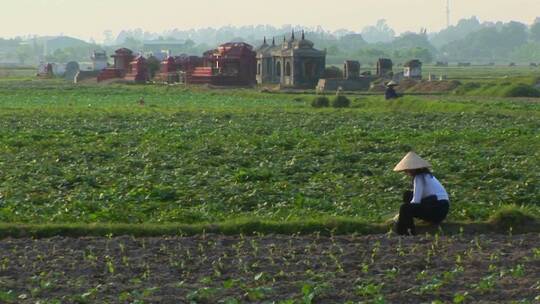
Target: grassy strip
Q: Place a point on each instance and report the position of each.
(236, 227)
(507, 220)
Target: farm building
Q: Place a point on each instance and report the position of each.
(413, 69)
(294, 63)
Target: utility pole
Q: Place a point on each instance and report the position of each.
(447, 13)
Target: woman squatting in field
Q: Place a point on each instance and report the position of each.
(428, 201)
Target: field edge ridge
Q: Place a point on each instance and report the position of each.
(329, 226)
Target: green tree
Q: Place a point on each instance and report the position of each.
(380, 32)
(527, 52)
(370, 55)
(513, 34)
(422, 54)
(412, 40)
(535, 32)
(333, 50)
(24, 53)
(456, 32)
(132, 43)
(59, 55)
(352, 42)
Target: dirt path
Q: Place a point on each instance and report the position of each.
(266, 269)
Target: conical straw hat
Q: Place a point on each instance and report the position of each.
(411, 161)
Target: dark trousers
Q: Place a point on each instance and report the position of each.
(430, 210)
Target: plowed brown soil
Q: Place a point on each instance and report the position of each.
(266, 269)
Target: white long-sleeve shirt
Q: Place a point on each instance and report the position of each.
(426, 185)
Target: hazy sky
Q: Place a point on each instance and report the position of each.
(86, 19)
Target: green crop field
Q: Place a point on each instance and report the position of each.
(16, 73)
(168, 194)
(87, 154)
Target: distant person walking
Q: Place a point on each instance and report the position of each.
(390, 92)
(428, 201)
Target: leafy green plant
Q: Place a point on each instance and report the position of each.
(341, 101)
(518, 271)
(460, 297)
(369, 289)
(257, 293)
(320, 102)
(311, 291)
(8, 296)
(248, 159)
(522, 90)
(203, 294)
(486, 284)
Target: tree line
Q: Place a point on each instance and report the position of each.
(469, 40)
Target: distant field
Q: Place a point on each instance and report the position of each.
(93, 154)
(22, 72)
(474, 72)
(482, 72)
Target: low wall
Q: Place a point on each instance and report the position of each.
(84, 75)
(360, 84)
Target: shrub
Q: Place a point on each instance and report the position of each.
(467, 88)
(522, 90)
(512, 214)
(320, 102)
(341, 101)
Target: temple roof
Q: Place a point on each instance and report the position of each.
(235, 49)
(291, 46)
(230, 50)
(266, 49)
(123, 51)
(303, 43)
(415, 63)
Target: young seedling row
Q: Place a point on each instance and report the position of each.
(272, 269)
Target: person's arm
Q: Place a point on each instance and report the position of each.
(418, 186)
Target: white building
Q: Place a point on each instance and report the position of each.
(413, 69)
(99, 60)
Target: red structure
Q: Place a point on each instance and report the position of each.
(187, 63)
(138, 71)
(230, 64)
(169, 71)
(168, 66)
(122, 59)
